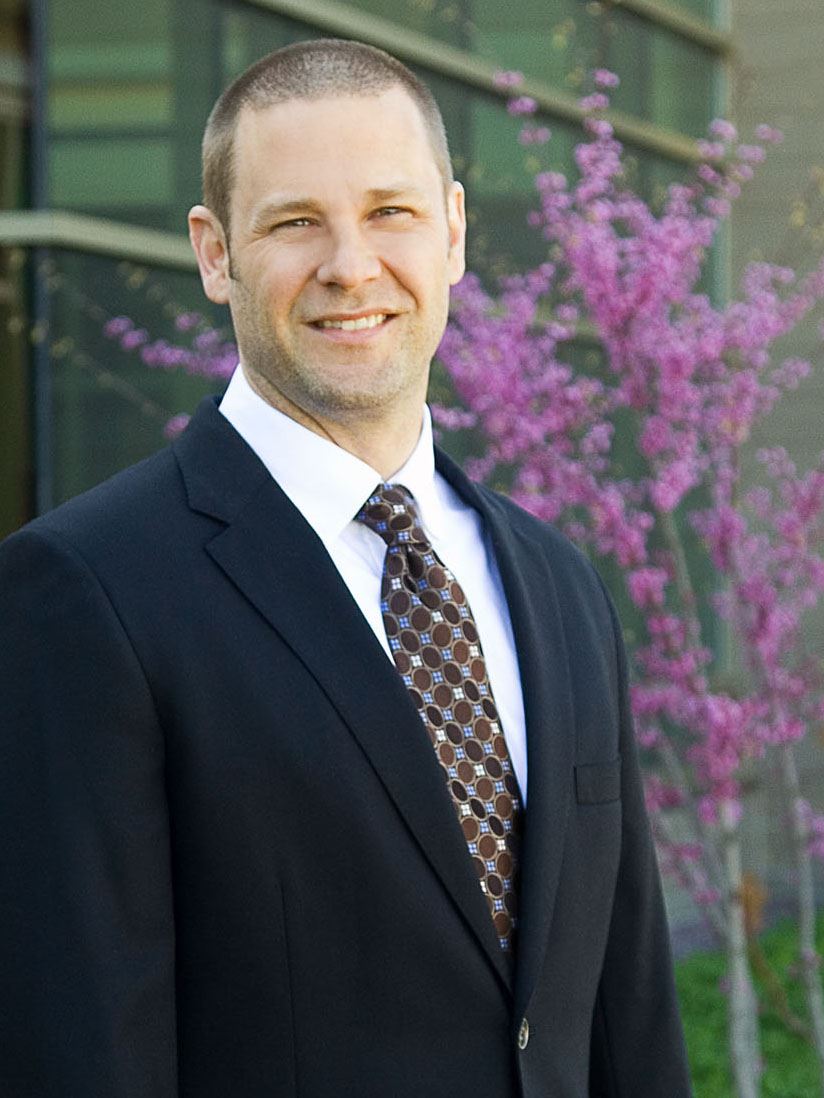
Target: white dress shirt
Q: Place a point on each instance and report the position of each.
(328, 485)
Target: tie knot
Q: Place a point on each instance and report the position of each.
(391, 512)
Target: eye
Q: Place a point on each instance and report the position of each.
(292, 223)
(390, 211)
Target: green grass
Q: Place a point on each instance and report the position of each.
(791, 1069)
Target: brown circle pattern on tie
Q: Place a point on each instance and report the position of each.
(434, 643)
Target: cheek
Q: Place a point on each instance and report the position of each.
(420, 267)
(275, 283)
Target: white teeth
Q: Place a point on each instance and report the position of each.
(355, 325)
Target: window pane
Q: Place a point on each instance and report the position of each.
(109, 408)
(665, 78)
(138, 174)
(129, 91)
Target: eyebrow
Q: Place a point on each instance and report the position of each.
(290, 206)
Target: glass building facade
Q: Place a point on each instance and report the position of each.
(119, 95)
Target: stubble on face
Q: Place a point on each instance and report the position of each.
(287, 378)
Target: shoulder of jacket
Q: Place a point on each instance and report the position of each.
(127, 502)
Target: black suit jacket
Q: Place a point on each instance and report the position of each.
(230, 864)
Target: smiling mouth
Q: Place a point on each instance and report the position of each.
(354, 324)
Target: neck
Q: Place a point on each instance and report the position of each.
(382, 439)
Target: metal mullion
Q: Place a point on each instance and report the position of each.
(41, 385)
(679, 22)
(721, 269)
(95, 236)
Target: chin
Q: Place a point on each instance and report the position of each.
(379, 394)
(368, 403)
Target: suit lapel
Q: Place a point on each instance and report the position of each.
(278, 563)
(545, 681)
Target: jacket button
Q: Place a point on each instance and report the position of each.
(523, 1035)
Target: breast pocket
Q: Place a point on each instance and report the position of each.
(598, 783)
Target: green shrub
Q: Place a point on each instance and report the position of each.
(790, 1066)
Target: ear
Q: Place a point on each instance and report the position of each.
(456, 220)
(212, 251)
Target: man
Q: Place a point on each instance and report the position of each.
(318, 776)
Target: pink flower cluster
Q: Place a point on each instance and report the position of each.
(210, 354)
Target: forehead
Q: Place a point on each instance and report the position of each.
(337, 140)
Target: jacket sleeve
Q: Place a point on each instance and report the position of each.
(86, 918)
(637, 1046)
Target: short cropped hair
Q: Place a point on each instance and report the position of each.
(308, 70)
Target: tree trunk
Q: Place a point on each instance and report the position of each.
(745, 1046)
(808, 958)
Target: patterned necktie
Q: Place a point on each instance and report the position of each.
(435, 646)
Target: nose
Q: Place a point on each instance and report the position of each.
(349, 261)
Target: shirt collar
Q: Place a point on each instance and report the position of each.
(326, 483)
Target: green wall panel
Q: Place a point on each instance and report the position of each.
(120, 172)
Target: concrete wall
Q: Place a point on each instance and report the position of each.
(777, 77)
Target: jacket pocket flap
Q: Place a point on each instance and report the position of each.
(598, 783)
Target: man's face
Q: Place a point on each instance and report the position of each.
(343, 249)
